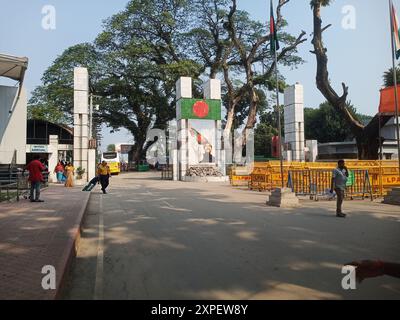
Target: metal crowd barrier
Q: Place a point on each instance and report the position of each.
(317, 183)
(383, 175)
(167, 173)
(15, 184)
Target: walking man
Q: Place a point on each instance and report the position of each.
(103, 170)
(35, 169)
(339, 180)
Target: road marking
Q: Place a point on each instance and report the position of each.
(98, 289)
(169, 205)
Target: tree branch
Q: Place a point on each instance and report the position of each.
(322, 78)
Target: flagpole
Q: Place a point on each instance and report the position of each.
(396, 109)
(279, 116)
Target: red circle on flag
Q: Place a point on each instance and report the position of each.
(201, 109)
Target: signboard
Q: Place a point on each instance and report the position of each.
(391, 180)
(39, 149)
(351, 179)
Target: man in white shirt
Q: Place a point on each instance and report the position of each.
(339, 181)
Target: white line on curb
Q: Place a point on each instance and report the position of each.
(98, 289)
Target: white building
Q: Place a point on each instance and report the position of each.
(13, 111)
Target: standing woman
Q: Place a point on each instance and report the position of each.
(59, 171)
(69, 170)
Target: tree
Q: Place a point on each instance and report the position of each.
(228, 41)
(133, 66)
(53, 100)
(136, 60)
(367, 136)
(40, 108)
(325, 124)
(263, 139)
(251, 50)
(388, 77)
(111, 148)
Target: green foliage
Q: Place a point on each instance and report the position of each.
(80, 172)
(141, 52)
(56, 93)
(324, 3)
(41, 108)
(111, 148)
(325, 124)
(263, 139)
(388, 77)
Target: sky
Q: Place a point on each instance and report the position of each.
(358, 49)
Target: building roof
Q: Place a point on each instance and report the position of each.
(13, 67)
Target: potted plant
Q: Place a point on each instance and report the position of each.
(80, 172)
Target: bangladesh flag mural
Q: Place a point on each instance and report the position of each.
(199, 109)
(201, 140)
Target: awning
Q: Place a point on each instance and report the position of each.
(13, 67)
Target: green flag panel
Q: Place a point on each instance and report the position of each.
(206, 109)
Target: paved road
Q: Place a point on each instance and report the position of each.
(151, 239)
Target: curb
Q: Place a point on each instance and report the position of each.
(70, 252)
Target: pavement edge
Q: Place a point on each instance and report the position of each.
(71, 251)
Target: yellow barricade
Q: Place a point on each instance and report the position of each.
(383, 175)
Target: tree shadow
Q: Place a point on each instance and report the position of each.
(197, 243)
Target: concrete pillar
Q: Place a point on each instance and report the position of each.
(294, 121)
(92, 168)
(212, 89)
(184, 88)
(81, 120)
(183, 148)
(53, 157)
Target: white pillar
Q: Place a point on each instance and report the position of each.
(53, 157)
(212, 89)
(183, 90)
(92, 164)
(294, 121)
(81, 119)
(183, 148)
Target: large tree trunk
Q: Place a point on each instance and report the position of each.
(367, 137)
(229, 120)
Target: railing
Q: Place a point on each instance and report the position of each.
(383, 175)
(14, 184)
(317, 183)
(167, 173)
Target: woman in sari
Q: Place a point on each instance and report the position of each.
(69, 170)
(59, 171)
